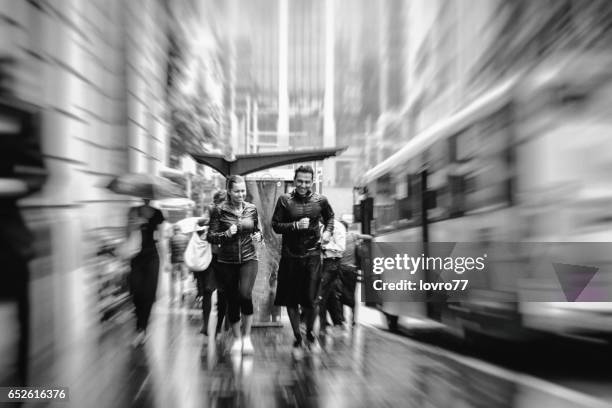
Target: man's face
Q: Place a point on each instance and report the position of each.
(303, 183)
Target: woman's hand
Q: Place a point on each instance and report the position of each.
(232, 230)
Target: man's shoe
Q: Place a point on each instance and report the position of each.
(313, 343)
(298, 351)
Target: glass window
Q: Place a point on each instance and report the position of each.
(404, 200)
(438, 159)
(385, 210)
(488, 173)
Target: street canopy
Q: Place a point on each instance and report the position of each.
(244, 164)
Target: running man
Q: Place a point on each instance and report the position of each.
(297, 216)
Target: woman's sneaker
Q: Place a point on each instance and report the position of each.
(247, 346)
(236, 347)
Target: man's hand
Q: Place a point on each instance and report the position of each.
(326, 237)
(232, 230)
(303, 223)
(256, 237)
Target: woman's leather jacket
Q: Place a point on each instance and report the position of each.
(238, 248)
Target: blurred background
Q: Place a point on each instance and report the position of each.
(464, 120)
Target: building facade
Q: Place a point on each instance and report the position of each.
(279, 76)
(97, 72)
(429, 56)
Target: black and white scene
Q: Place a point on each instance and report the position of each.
(306, 203)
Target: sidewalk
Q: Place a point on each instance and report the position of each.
(368, 368)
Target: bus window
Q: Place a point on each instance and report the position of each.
(385, 209)
(486, 183)
(462, 150)
(403, 200)
(438, 161)
(457, 193)
(438, 182)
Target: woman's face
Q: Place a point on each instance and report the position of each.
(238, 192)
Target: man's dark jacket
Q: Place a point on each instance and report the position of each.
(290, 208)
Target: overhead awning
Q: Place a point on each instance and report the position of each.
(243, 164)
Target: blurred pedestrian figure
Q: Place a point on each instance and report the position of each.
(146, 221)
(22, 172)
(218, 198)
(234, 225)
(330, 273)
(297, 216)
(178, 244)
(199, 260)
(349, 270)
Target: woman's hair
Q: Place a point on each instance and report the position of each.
(232, 180)
(219, 196)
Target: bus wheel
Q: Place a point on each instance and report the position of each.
(391, 321)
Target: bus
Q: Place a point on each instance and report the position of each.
(528, 161)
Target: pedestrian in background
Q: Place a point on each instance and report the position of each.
(218, 198)
(178, 244)
(235, 226)
(147, 222)
(333, 251)
(22, 172)
(199, 259)
(349, 270)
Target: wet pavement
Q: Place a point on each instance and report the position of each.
(365, 368)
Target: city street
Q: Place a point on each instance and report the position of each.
(452, 157)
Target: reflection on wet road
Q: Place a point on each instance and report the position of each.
(366, 368)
